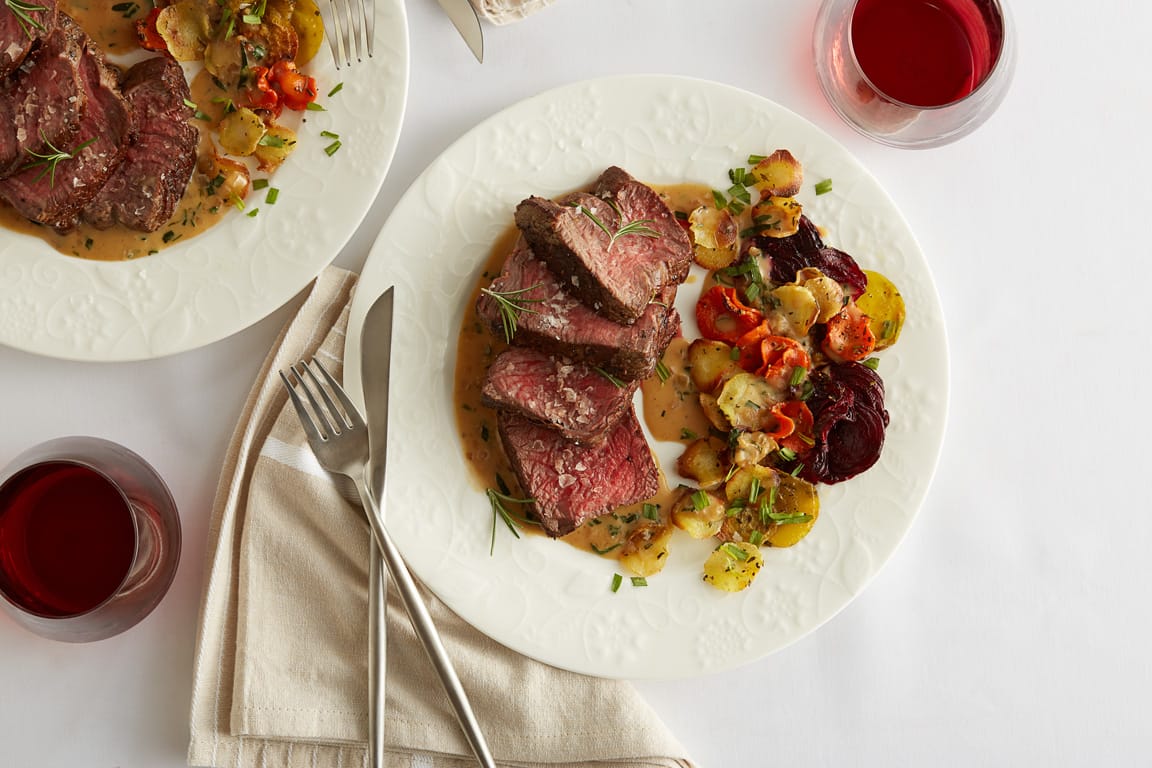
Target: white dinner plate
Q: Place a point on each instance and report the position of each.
(545, 598)
(199, 291)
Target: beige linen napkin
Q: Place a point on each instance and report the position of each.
(505, 11)
(281, 656)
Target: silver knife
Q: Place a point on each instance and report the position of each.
(375, 368)
(467, 23)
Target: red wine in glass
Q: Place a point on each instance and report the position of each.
(926, 53)
(914, 73)
(89, 539)
(67, 539)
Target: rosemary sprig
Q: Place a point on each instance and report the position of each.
(22, 10)
(52, 158)
(639, 227)
(511, 304)
(498, 500)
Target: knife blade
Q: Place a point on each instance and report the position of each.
(375, 370)
(467, 23)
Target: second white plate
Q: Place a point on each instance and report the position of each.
(211, 286)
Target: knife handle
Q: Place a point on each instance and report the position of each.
(377, 601)
(425, 629)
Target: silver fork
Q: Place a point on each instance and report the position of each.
(339, 438)
(352, 21)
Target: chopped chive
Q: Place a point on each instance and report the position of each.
(756, 159)
(797, 376)
(753, 490)
(756, 538)
(332, 148)
(259, 183)
(314, 107)
(651, 511)
(329, 135)
(270, 198)
(336, 89)
(824, 187)
(872, 362)
(252, 213)
(734, 551)
(639, 581)
(606, 550)
(699, 500)
(617, 580)
(662, 372)
(687, 434)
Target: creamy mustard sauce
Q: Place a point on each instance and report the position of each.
(669, 406)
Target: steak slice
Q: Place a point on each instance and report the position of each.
(148, 184)
(617, 274)
(569, 482)
(54, 195)
(579, 402)
(19, 32)
(559, 324)
(41, 102)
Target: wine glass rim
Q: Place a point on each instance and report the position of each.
(128, 507)
(998, 63)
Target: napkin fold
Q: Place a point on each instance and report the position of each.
(281, 655)
(505, 11)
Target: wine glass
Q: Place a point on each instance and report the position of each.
(89, 539)
(914, 73)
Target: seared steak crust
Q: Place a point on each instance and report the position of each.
(55, 195)
(582, 236)
(41, 102)
(18, 35)
(569, 482)
(578, 401)
(148, 184)
(559, 324)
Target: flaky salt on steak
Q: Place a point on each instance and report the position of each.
(556, 322)
(617, 248)
(578, 401)
(570, 483)
(54, 194)
(19, 32)
(41, 102)
(149, 182)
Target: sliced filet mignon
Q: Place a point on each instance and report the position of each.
(148, 184)
(569, 482)
(581, 237)
(21, 29)
(42, 101)
(54, 195)
(555, 322)
(578, 401)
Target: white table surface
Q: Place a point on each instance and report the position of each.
(1011, 627)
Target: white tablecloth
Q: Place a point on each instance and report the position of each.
(1012, 625)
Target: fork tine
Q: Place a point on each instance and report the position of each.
(301, 411)
(334, 413)
(369, 7)
(351, 413)
(354, 21)
(334, 34)
(323, 416)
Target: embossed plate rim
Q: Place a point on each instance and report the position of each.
(544, 598)
(243, 269)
